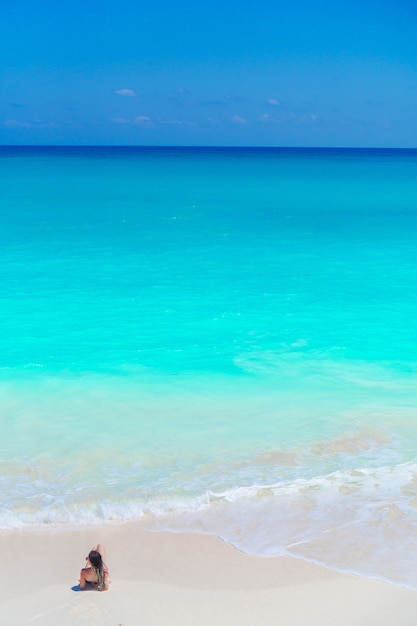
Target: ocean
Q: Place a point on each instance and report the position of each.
(214, 340)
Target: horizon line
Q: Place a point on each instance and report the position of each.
(205, 147)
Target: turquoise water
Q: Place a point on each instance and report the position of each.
(215, 340)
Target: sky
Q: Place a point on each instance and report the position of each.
(336, 73)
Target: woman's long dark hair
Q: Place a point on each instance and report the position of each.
(98, 566)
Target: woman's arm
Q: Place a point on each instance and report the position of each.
(100, 548)
(82, 579)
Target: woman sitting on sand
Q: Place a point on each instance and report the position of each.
(95, 571)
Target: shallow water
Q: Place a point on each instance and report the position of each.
(220, 340)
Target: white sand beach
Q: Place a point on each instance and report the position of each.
(161, 579)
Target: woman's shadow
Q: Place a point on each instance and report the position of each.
(88, 587)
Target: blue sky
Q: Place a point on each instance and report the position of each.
(198, 72)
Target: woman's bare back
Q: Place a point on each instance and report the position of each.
(88, 573)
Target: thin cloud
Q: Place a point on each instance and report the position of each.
(177, 122)
(302, 119)
(273, 102)
(16, 124)
(267, 118)
(221, 101)
(237, 119)
(288, 118)
(143, 121)
(11, 123)
(234, 98)
(130, 93)
(384, 123)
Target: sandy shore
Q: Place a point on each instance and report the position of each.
(162, 579)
